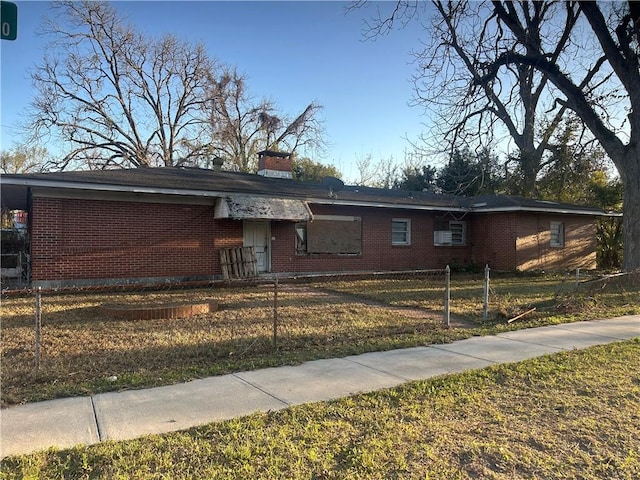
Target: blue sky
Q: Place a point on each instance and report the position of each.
(292, 52)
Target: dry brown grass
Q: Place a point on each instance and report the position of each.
(83, 348)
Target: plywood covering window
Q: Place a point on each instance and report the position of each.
(557, 234)
(330, 234)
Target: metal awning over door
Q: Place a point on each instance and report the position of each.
(245, 207)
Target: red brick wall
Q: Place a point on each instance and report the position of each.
(377, 251)
(106, 239)
(93, 239)
(536, 253)
(493, 240)
(510, 241)
(84, 239)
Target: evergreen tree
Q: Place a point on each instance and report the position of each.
(417, 179)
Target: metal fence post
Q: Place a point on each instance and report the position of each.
(38, 327)
(485, 298)
(447, 295)
(275, 313)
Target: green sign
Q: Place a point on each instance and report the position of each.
(9, 16)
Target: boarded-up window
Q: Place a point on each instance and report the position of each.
(330, 234)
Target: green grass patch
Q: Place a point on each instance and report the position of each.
(570, 415)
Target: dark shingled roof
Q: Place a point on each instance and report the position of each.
(195, 181)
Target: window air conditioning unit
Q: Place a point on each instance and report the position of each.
(442, 237)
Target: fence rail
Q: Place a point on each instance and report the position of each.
(73, 336)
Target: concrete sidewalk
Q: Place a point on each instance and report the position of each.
(124, 415)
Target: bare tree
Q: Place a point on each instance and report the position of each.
(366, 171)
(466, 113)
(242, 126)
(118, 98)
(380, 174)
(510, 61)
(384, 172)
(606, 86)
(23, 159)
(470, 110)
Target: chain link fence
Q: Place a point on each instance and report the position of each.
(72, 341)
(133, 335)
(358, 307)
(509, 297)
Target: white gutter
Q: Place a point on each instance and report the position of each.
(321, 201)
(544, 210)
(101, 187)
(405, 206)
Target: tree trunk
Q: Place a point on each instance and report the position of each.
(530, 165)
(631, 209)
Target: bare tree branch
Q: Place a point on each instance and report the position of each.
(241, 126)
(530, 65)
(121, 98)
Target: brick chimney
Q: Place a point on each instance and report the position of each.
(275, 164)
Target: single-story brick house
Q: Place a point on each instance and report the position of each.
(169, 225)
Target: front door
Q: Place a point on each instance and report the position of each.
(257, 235)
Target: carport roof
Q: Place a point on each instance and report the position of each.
(216, 184)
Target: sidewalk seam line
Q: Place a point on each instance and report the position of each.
(258, 387)
(494, 362)
(405, 379)
(95, 418)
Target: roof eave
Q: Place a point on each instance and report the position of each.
(403, 206)
(105, 187)
(564, 211)
(136, 189)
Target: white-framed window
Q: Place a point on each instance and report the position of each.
(450, 232)
(458, 233)
(400, 231)
(557, 234)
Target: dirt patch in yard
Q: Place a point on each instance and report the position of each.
(333, 296)
(156, 311)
